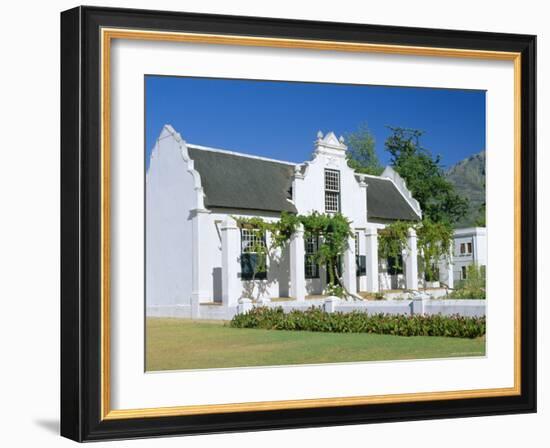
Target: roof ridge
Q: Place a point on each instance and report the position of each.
(373, 176)
(239, 154)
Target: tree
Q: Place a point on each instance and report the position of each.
(434, 243)
(473, 286)
(482, 213)
(481, 219)
(425, 177)
(361, 154)
(392, 241)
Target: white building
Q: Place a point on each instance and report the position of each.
(470, 247)
(196, 254)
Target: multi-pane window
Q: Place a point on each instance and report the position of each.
(332, 191)
(465, 248)
(311, 246)
(252, 262)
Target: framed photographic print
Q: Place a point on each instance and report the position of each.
(274, 223)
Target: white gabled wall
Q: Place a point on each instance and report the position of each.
(309, 183)
(309, 196)
(184, 240)
(401, 185)
(171, 195)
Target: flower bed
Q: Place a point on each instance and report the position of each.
(315, 319)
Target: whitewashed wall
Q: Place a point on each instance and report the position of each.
(169, 237)
(309, 191)
(477, 236)
(277, 282)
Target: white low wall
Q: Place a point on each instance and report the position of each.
(216, 312)
(181, 311)
(437, 293)
(466, 308)
(378, 307)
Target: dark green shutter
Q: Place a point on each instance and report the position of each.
(249, 263)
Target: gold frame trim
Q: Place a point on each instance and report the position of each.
(107, 35)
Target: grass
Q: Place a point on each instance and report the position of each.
(174, 344)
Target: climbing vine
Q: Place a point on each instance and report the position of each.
(331, 230)
(434, 244)
(333, 233)
(392, 241)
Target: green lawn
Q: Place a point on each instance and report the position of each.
(184, 344)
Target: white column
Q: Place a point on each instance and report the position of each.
(446, 274)
(331, 303)
(450, 275)
(371, 238)
(411, 261)
(231, 283)
(350, 269)
(200, 291)
(297, 264)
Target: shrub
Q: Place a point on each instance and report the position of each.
(473, 286)
(315, 319)
(335, 290)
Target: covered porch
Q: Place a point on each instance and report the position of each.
(362, 273)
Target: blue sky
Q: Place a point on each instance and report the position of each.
(280, 119)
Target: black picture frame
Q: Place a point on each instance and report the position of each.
(81, 224)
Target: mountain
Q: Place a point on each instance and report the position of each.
(468, 177)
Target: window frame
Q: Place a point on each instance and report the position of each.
(360, 260)
(332, 190)
(246, 256)
(308, 263)
(466, 248)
